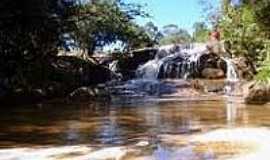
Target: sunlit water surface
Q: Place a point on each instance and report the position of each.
(135, 130)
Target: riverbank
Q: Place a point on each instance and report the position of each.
(52, 78)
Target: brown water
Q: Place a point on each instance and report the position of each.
(148, 130)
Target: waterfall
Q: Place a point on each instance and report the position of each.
(231, 71)
(149, 70)
(173, 61)
(113, 65)
(231, 77)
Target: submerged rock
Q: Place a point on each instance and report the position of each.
(89, 93)
(213, 73)
(207, 86)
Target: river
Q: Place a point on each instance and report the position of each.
(153, 130)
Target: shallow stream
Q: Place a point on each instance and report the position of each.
(136, 130)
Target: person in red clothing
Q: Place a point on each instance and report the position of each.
(215, 45)
(215, 34)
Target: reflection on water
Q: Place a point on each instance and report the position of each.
(97, 126)
(231, 111)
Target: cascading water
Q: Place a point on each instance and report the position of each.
(113, 65)
(173, 61)
(231, 71)
(149, 70)
(176, 62)
(231, 77)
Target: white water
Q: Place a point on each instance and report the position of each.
(231, 78)
(113, 66)
(180, 61)
(172, 61)
(189, 54)
(231, 71)
(149, 70)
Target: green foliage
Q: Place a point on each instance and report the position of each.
(31, 31)
(264, 72)
(262, 14)
(201, 32)
(153, 32)
(33, 28)
(246, 28)
(240, 30)
(28, 29)
(104, 22)
(172, 34)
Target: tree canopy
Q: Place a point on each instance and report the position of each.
(201, 32)
(172, 34)
(33, 28)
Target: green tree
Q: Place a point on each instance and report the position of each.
(31, 32)
(240, 29)
(101, 23)
(201, 32)
(245, 26)
(153, 32)
(172, 34)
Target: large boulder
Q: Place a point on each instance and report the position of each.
(212, 61)
(128, 64)
(256, 93)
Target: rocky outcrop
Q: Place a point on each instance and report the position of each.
(128, 64)
(256, 93)
(183, 61)
(244, 67)
(209, 66)
(212, 61)
(89, 93)
(209, 86)
(213, 73)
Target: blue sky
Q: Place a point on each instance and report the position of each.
(184, 13)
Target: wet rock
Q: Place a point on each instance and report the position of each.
(213, 73)
(244, 67)
(208, 61)
(257, 94)
(174, 67)
(198, 85)
(89, 93)
(128, 64)
(208, 86)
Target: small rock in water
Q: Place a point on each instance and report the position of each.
(142, 144)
